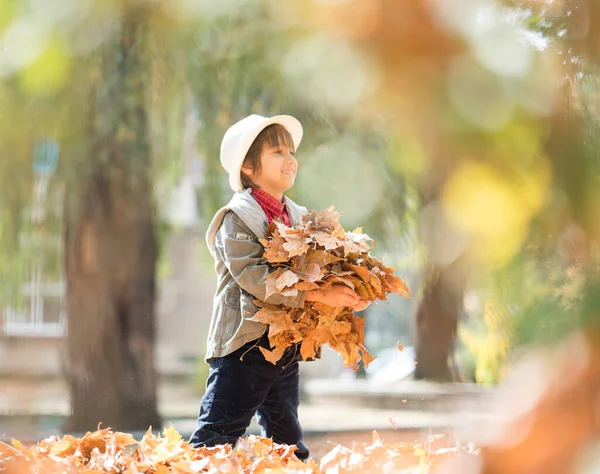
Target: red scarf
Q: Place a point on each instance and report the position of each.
(272, 207)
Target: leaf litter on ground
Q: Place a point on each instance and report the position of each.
(107, 451)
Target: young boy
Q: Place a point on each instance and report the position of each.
(258, 153)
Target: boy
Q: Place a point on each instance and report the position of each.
(258, 153)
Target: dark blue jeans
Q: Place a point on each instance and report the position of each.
(244, 383)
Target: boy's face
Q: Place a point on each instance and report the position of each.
(278, 170)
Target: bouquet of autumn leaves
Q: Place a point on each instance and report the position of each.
(314, 255)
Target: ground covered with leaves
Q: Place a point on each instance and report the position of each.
(105, 451)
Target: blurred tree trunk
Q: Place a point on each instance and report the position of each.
(414, 52)
(111, 248)
(444, 280)
(437, 322)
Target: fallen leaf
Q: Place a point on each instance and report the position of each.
(272, 356)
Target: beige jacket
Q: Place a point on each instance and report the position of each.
(232, 239)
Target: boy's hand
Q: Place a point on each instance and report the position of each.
(361, 305)
(335, 296)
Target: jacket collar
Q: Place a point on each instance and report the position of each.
(250, 212)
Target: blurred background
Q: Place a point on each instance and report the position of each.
(462, 135)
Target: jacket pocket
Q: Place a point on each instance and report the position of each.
(247, 304)
(232, 297)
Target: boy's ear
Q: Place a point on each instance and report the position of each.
(247, 171)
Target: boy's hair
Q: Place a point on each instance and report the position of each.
(273, 135)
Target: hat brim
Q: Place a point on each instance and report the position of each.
(290, 123)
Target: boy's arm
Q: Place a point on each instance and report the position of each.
(243, 257)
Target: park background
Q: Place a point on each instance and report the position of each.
(461, 135)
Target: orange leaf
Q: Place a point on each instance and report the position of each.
(65, 447)
(272, 356)
(287, 278)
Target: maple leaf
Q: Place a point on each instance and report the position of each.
(273, 244)
(340, 327)
(307, 286)
(251, 455)
(308, 348)
(327, 241)
(366, 356)
(362, 272)
(290, 292)
(287, 279)
(308, 273)
(325, 219)
(90, 442)
(296, 247)
(377, 287)
(172, 436)
(361, 289)
(271, 282)
(345, 280)
(397, 285)
(321, 258)
(320, 254)
(279, 320)
(65, 447)
(272, 356)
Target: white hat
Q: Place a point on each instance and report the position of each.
(240, 136)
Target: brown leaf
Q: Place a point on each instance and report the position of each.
(325, 219)
(277, 317)
(362, 272)
(327, 241)
(290, 292)
(310, 272)
(271, 282)
(398, 286)
(306, 286)
(319, 253)
(272, 356)
(308, 348)
(345, 280)
(65, 447)
(90, 442)
(280, 323)
(287, 279)
(321, 258)
(274, 251)
(366, 356)
(296, 246)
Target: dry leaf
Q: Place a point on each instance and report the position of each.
(287, 278)
(272, 356)
(252, 455)
(315, 255)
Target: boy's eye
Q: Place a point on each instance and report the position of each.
(279, 151)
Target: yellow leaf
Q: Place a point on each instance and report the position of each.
(172, 435)
(17, 445)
